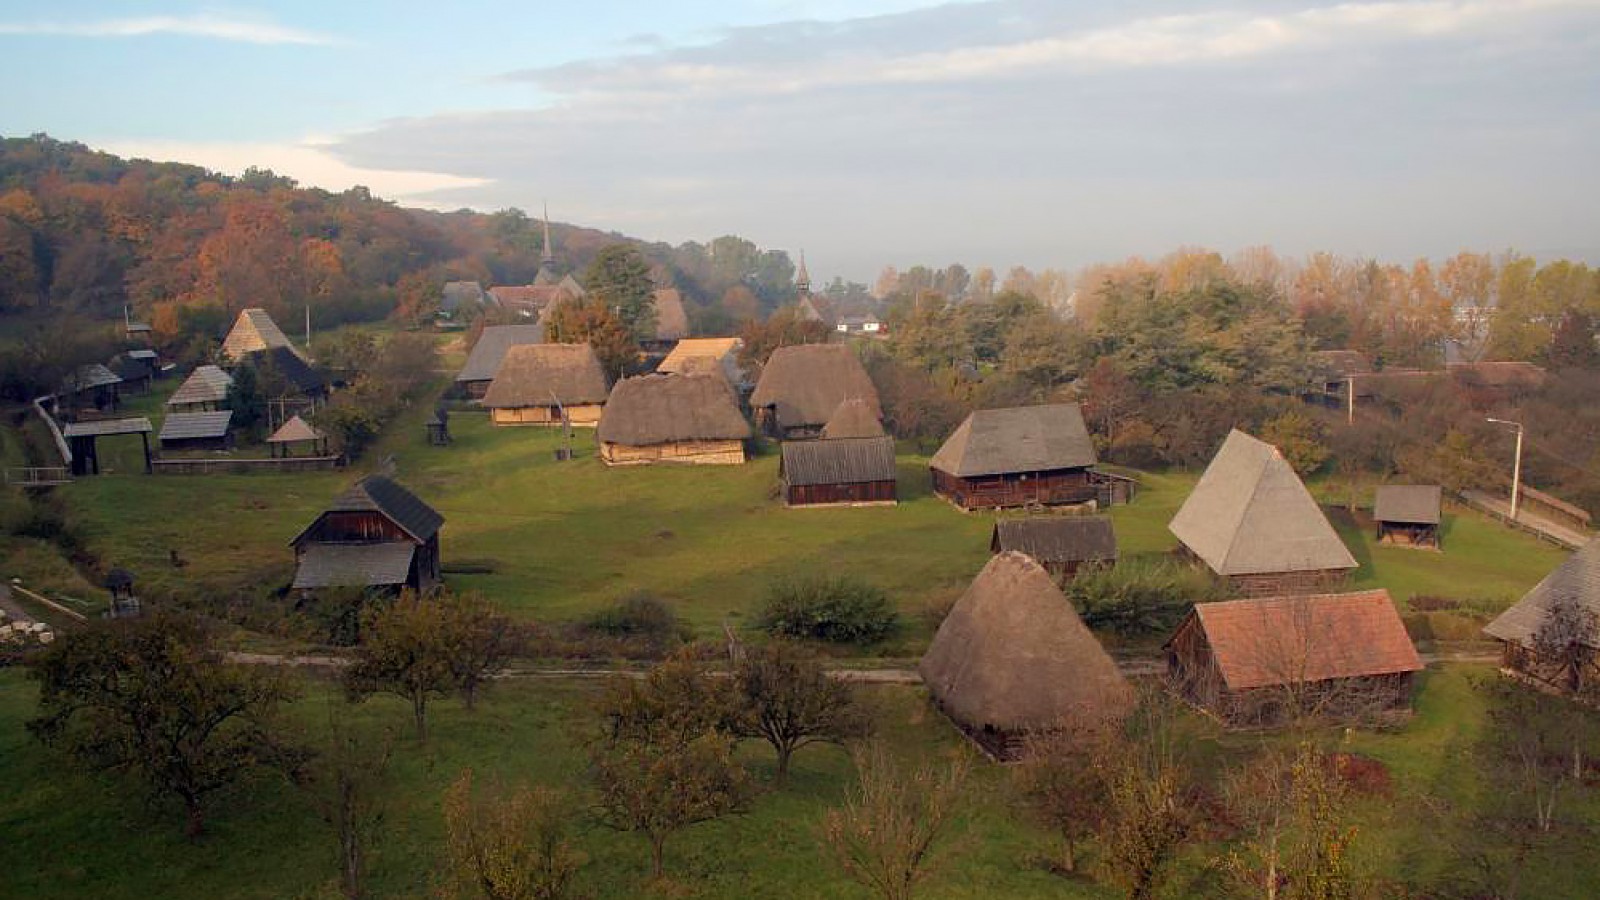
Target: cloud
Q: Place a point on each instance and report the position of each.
(200, 25)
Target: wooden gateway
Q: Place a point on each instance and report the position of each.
(691, 419)
(1408, 514)
(1022, 456)
(540, 384)
(377, 535)
(489, 352)
(1064, 545)
(1326, 656)
(841, 472)
(1561, 614)
(1012, 657)
(1252, 521)
(802, 386)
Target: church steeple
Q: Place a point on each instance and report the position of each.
(802, 278)
(549, 258)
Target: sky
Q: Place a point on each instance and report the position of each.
(1045, 133)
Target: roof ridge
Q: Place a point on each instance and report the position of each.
(1237, 526)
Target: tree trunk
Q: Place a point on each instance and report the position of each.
(419, 713)
(469, 693)
(350, 841)
(196, 824)
(658, 852)
(784, 752)
(1069, 855)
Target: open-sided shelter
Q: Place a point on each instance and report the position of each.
(840, 472)
(1260, 661)
(1012, 657)
(490, 350)
(1539, 632)
(1252, 521)
(197, 430)
(1408, 514)
(254, 331)
(1021, 456)
(297, 432)
(82, 438)
(802, 385)
(538, 383)
(692, 355)
(854, 418)
(377, 534)
(92, 385)
(1062, 544)
(672, 419)
(205, 389)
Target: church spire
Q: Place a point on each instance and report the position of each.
(802, 278)
(549, 258)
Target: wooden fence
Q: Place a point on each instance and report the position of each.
(243, 466)
(38, 476)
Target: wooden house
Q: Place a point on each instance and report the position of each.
(691, 419)
(205, 389)
(252, 332)
(672, 320)
(692, 355)
(377, 535)
(1012, 657)
(484, 361)
(1408, 514)
(197, 430)
(855, 418)
(1537, 633)
(1252, 521)
(841, 472)
(283, 374)
(538, 384)
(1022, 456)
(1325, 656)
(1064, 545)
(802, 385)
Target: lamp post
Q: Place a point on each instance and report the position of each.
(1516, 466)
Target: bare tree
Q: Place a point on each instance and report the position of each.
(889, 831)
(1061, 782)
(787, 699)
(1526, 743)
(1150, 811)
(346, 776)
(1563, 645)
(1293, 808)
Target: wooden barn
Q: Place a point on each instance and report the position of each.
(205, 389)
(377, 535)
(1022, 456)
(842, 472)
(1252, 521)
(801, 386)
(1408, 514)
(197, 430)
(1538, 633)
(539, 383)
(691, 419)
(854, 418)
(672, 321)
(692, 355)
(1064, 545)
(490, 350)
(1012, 658)
(252, 332)
(1261, 662)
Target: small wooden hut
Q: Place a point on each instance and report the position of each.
(1252, 521)
(90, 386)
(1257, 662)
(1012, 657)
(377, 535)
(1408, 514)
(801, 386)
(439, 428)
(136, 372)
(1064, 545)
(855, 418)
(1022, 456)
(484, 361)
(1563, 609)
(297, 431)
(283, 374)
(840, 472)
(538, 384)
(692, 419)
(205, 389)
(197, 430)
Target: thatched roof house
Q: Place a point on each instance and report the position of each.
(254, 331)
(838, 472)
(205, 389)
(1254, 661)
(377, 534)
(537, 383)
(707, 354)
(853, 419)
(1062, 544)
(490, 350)
(1017, 457)
(1566, 606)
(802, 385)
(673, 418)
(1408, 514)
(672, 320)
(1252, 521)
(1012, 657)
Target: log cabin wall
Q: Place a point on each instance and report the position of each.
(831, 494)
(715, 453)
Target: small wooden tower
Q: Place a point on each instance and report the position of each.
(123, 602)
(439, 428)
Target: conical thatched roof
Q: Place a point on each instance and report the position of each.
(853, 419)
(1250, 514)
(664, 409)
(294, 431)
(805, 383)
(544, 374)
(1017, 439)
(672, 321)
(1013, 655)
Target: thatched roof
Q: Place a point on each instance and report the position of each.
(853, 419)
(1576, 579)
(1250, 514)
(1416, 504)
(188, 426)
(805, 383)
(1296, 640)
(1019, 439)
(702, 354)
(1057, 539)
(294, 431)
(546, 374)
(206, 384)
(672, 321)
(1013, 655)
(381, 494)
(354, 565)
(839, 461)
(666, 409)
(254, 330)
(490, 350)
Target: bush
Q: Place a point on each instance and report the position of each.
(1141, 596)
(837, 609)
(640, 617)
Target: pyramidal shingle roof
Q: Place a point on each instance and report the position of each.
(296, 429)
(1576, 579)
(254, 331)
(1250, 514)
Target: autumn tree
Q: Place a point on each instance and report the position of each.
(1563, 644)
(1299, 438)
(153, 697)
(1293, 808)
(895, 825)
(784, 697)
(481, 640)
(1531, 749)
(1150, 812)
(595, 322)
(783, 328)
(1061, 783)
(513, 844)
(408, 650)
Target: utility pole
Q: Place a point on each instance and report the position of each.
(1350, 383)
(1516, 467)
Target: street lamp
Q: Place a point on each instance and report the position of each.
(1516, 466)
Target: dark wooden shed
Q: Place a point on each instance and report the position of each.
(1064, 545)
(1408, 514)
(1569, 595)
(197, 430)
(840, 472)
(377, 534)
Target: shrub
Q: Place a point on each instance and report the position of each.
(1141, 596)
(640, 617)
(1429, 603)
(838, 609)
